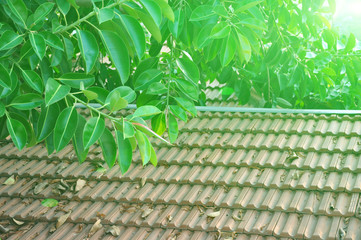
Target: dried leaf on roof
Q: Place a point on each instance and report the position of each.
(97, 225)
(40, 187)
(79, 185)
(113, 230)
(213, 214)
(62, 219)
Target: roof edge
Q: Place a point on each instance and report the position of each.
(253, 110)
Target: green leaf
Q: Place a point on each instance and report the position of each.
(90, 95)
(351, 43)
(146, 78)
(9, 40)
(63, 5)
(189, 69)
(88, 47)
(159, 124)
(125, 153)
(117, 102)
(109, 147)
(228, 50)
(77, 140)
(47, 121)
(135, 32)
(202, 12)
(128, 129)
(125, 92)
(166, 9)
(148, 131)
(157, 88)
(176, 26)
(18, 8)
(152, 27)
(245, 50)
(186, 105)
(54, 91)
(118, 53)
(253, 23)
(101, 92)
(203, 38)
(38, 43)
(42, 11)
(179, 112)
(221, 30)
(49, 143)
(188, 88)
(105, 14)
(153, 157)
(154, 10)
(246, 4)
(5, 80)
(27, 101)
(283, 103)
(144, 146)
(2, 109)
(65, 127)
(93, 130)
(33, 80)
(17, 132)
(31, 139)
(49, 202)
(144, 111)
(76, 80)
(172, 128)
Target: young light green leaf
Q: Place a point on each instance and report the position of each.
(27, 101)
(17, 132)
(125, 153)
(109, 147)
(202, 12)
(228, 50)
(49, 202)
(146, 78)
(18, 8)
(75, 80)
(105, 14)
(246, 4)
(154, 10)
(144, 146)
(153, 157)
(54, 91)
(221, 30)
(145, 111)
(93, 130)
(179, 112)
(166, 9)
(90, 95)
(188, 88)
(33, 80)
(117, 52)
(77, 140)
(186, 105)
(42, 11)
(351, 43)
(172, 128)
(88, 47)
(9, 40)
(189, 69)
(101, 92)
(47, 121)
(65, 127)
(5, 80)
(125, 92)
(128, 129)
(117, 102)
(135, 32)
(38, 43)
(159, 124)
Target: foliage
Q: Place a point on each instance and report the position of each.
(160, 55)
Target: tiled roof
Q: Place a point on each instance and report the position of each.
(229, 176)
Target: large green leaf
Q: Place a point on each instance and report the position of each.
(228, 50)
(166, 9)
(179, 112)
(17, 132)
(55, 91)
(124, 152)
(93, 130)
(159, 124)
(38, 43)
(146, 78)
(33, 80)
(5, 80)
(172, 128)
(124, 92)
(245, 51)
(109, 147)
(77, 140)
(202, 12)
(135, 32)
(31, 138)
(42, 11)
(105, 14)
(77, 80)
(144, 146)
(47, 121)
(145, 111)
(186, 105)
(221, 30)
(189, 69)
(88, 47)
(188, 88)
(116, 102)
(128, 129)
(176, 27)
(351, 43)
(154, 10)
(246, 4)
(63, 5)
(150, 24)
(65, 127)
(18, 8)
(27, 101)
(117, 52)
(9, 40)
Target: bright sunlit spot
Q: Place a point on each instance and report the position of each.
(348, 16)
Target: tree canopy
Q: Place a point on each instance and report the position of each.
(160, 56)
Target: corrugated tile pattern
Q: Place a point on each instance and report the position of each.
(228, 176)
